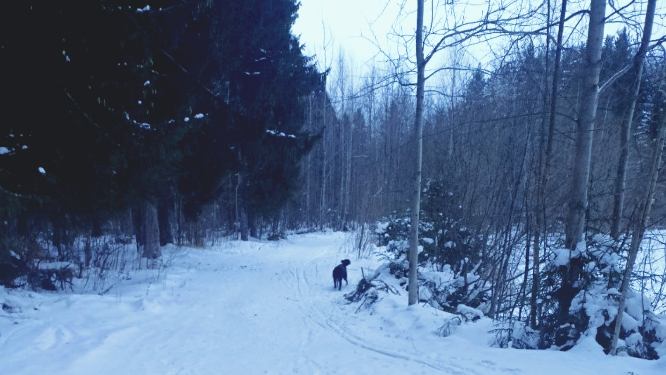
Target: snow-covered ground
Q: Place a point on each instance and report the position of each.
(261, 308)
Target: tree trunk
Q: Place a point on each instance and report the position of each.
(641, 222)
(324, 161)
(418, 157)
(308, 171)
(528, 252)
(137, 225)
(575, 225)
(165, 211)
(244, 226)
(348, 168)
(58, 235)
(343, 140)
(324, 171)
(253, 223)
(241, 209)
(151, 230)
(544, 170)
(637, 72)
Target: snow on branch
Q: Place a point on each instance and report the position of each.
(280, 134)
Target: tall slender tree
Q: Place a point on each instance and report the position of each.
(545, 156)
(636, 72)
(645, 206)
(575, 225)
(418, 158)
(585, 125)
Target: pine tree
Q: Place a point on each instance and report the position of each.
(268, 78)
(133, 106)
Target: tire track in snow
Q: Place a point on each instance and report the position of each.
(316, 315)
(312, 366)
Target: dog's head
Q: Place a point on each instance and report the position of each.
(346, 262)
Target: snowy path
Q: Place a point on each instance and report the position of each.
(258, 308)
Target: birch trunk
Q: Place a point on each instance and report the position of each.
(418, 150)
(324, 167)
(637, 73)
(641, 222)
(544, 171)
(308, 171)
(348, 169)
(585, 126)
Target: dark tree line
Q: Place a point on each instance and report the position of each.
(122, 119)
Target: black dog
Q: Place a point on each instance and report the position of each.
(340, 273)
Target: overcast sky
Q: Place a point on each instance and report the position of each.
(348, 22)
(341, 23)
(351, 25)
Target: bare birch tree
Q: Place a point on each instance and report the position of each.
(637, 74)
(544, 164)
(645, 206)
(640, 225)
(585, 125)
(418, 158)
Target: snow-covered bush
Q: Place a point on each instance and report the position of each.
(445, 238)
(514, 334)
(589, 304)
(393, 228)
(450, 259)
(640, 333)
(561, 326)
(578, 289)
(445, 235)
(448, 290)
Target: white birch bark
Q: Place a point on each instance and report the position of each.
(585, 125)
(418, 151)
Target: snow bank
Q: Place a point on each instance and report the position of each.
(260, 307)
